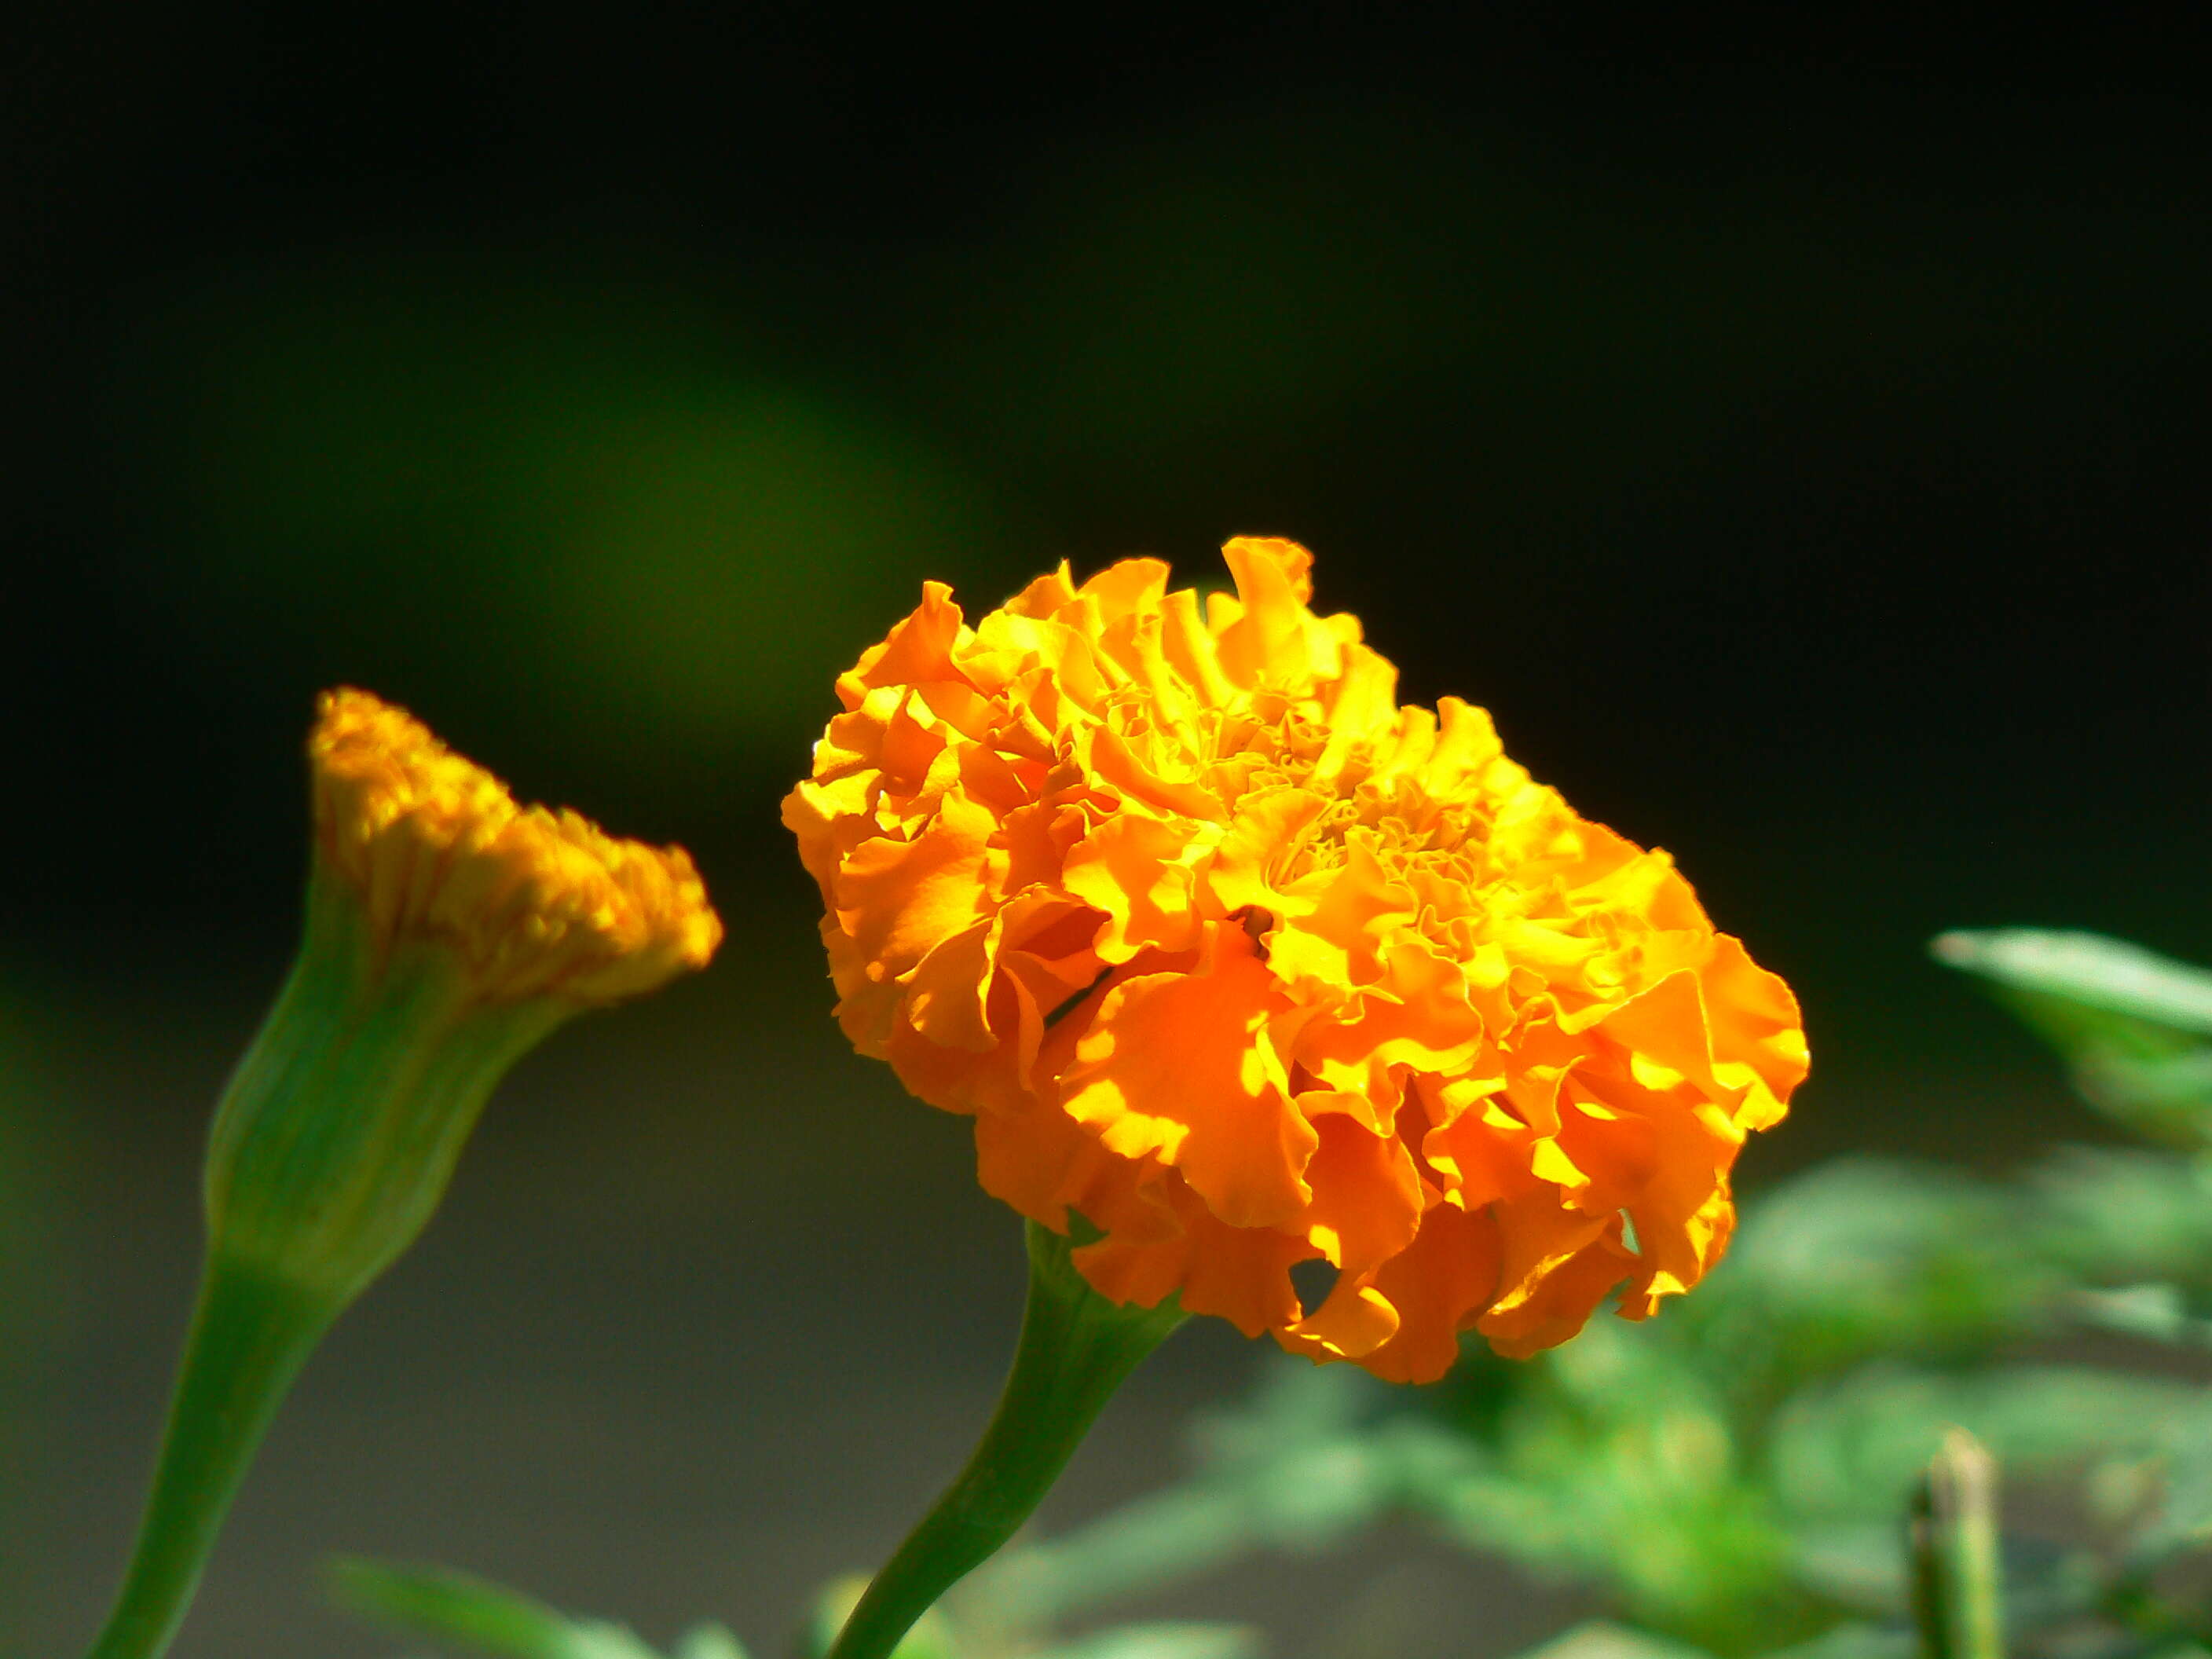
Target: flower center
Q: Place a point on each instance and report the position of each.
(1373, 801)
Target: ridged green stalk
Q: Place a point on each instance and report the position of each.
(250, 1335)
(331, 1147)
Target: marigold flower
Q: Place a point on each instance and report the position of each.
(1247, 965)
(536, 902)
(448, 931)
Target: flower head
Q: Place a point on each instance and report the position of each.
(448, 931)
(1247, 965)
(536, 902)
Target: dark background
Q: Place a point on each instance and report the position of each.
(1794, 432)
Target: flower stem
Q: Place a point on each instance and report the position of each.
(1076, 1348)
(1958, 1576)
(250, 1335)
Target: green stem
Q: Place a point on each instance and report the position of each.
(1957, 1571)
(250, 1335)
(1076, 1348)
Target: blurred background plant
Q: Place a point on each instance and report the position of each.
(1794, 436)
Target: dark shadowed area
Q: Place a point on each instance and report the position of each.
(1797, 443)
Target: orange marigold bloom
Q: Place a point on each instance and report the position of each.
(1247, 965)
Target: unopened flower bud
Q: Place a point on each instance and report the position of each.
(448, 931)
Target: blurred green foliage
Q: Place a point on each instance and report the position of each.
(1734, 1478)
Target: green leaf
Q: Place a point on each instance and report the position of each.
(2136, 1027)
(1296, 1467)
(1859, 1257)
(2086, 973)
(1857, 1640)
(1617, 1464)
(1852, 1451)
(1165, 1641)
(1297, 1404)
(473, 1612)
(1859, 1565)
(2154, 1313)
(2124, 1216)
(1601, 1638)
(708, 1640)
(2181, 1522)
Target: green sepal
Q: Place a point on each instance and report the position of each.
(339, 1131)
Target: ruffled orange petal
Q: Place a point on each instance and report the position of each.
(917, 650)
(897, 900)
(1141, 873)
(1177, 1066)
(1435, 1286)
(1242, 1274)
(1557, 1264)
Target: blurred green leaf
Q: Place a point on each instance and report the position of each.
(2134, 1026)
(1852, 1451)
(1165, 1641)
(1856, 1640)
(2124, 1216)
(2155, 1313)
(2181, 1519)
(708, 1641)
(458, 1608)
(1601, 1638)
(1859, 1257)
(2049, 1585)
(1859, 1565)
(1300, 1467)
(2084, 973)
(1615, 1460)
(1296, 1404)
